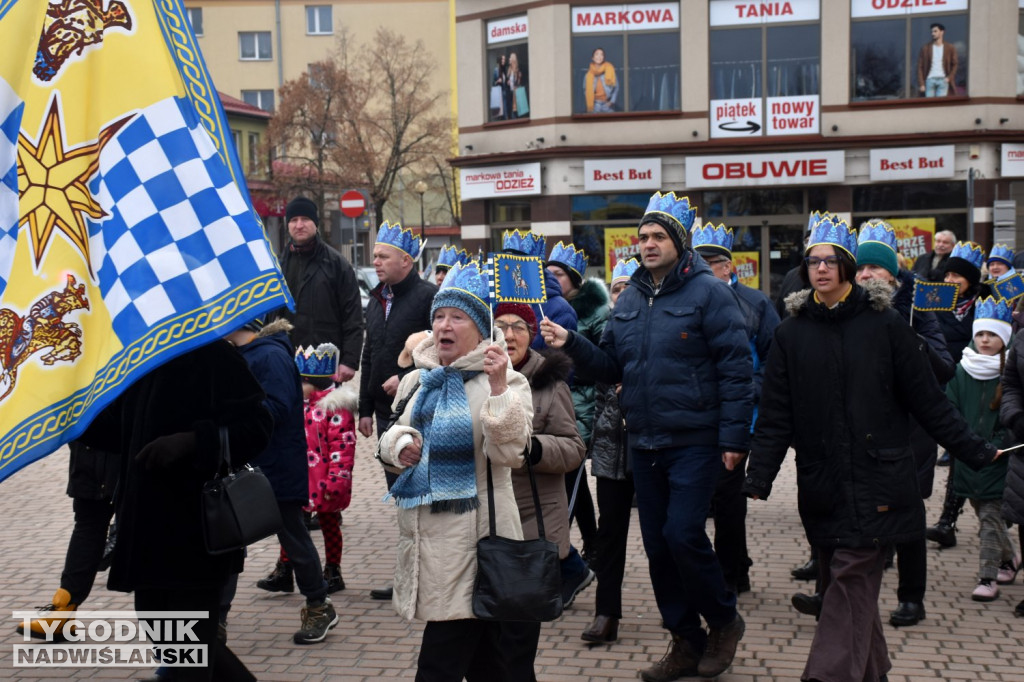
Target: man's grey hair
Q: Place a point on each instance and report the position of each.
(949, 233)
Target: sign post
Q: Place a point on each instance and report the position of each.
(353, 205)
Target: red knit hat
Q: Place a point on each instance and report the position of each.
(519, 310)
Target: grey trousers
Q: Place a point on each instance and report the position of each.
(849, 644)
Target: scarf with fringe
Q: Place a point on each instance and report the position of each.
(445, 477)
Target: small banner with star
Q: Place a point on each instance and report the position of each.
(1009, 286)
(934, 296)
(518, 279)
(127, 235)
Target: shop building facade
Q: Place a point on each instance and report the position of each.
(572, 114)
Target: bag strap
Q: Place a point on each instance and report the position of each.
(225, 450)
(533, 489)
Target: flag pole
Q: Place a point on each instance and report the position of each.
(913, 303)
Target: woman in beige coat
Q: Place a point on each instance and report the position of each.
(555, 448)
(470, 407)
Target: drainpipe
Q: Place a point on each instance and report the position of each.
(280, 54)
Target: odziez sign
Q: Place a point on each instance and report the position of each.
(744, 170)
(485, 182)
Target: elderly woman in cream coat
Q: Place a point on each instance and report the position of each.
(470, 407)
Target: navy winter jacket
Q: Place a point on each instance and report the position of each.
(271, 360)
(682, 356)
(556, 308)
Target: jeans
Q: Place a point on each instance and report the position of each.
(935, 87)
(302, 553)
(673, 494)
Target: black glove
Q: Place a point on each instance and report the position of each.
(536, 451)
(166, 451)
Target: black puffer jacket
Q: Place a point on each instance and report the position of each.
(410, 313)
(92, 473)
(959, 330)
(840, 386)
(608, 458)
(327, 304)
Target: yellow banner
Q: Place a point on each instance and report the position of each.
(747, 265)
(914, 236)
(620, 243)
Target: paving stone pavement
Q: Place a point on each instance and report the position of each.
(959, 640)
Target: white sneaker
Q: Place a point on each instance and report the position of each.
(985, 591)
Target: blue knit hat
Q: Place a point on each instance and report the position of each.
(465, 288)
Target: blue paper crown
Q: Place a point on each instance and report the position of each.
(450, 255)
(526, 243)
(876, 230)
(970, 252)
(831, 229)
(815, 218)
(713, 236)
(676, 208)
(468, 278)
(567, 255)
(321, 361)
(1001, 252)
(989, 308)
(624, 269)
(401, 238)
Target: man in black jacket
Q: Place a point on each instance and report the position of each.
(323, 284)
(931, 267)
(399, 307)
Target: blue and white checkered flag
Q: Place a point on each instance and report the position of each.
(11, 108)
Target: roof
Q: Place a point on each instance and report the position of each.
(238, 107)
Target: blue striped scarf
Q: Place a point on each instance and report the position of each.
(445, 477)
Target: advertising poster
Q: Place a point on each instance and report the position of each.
(914, 236)
(620, 243)
(747, 265)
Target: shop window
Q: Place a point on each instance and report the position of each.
(319, 20)
(195, 19)
(625, 58)
(254, 46)
(911, 196)
(605, 227)
(892, 56)
(765, 70)
(507, 69)
(1020, 54)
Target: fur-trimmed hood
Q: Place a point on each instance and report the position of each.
(546, 367)
(591, 297)
(340, 398)
(280, 325)
(878, 292)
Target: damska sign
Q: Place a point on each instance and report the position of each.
(911, 163)
(507, 30)
(744, 170)
(861, 9)
(1012, 160)
(500, 181)
(639, 17)
(602, 175)
(735, 13)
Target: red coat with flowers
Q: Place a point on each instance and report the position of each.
(330, 448)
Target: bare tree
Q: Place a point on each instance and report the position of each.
(358, 119)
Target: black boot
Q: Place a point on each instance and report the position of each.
(280, 579)
(944, 532)
(808, 571)
(332, 574)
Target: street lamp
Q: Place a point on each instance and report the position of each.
(421, 188)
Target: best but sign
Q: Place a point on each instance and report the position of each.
(911, 163)
(621, 174)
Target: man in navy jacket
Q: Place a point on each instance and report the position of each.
(678, 344)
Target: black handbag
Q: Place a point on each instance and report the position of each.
(517, 580)
(238, 507)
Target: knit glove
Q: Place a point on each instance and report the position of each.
(167, 451)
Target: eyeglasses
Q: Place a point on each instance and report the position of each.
(517, 327)
(831, 262)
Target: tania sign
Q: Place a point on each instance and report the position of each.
(486, 182)
(743, 170)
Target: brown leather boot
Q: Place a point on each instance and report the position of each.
(680, 661)
(61, 602)
(721, 648)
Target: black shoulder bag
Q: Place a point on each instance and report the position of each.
(517, 580)
(239, 507)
